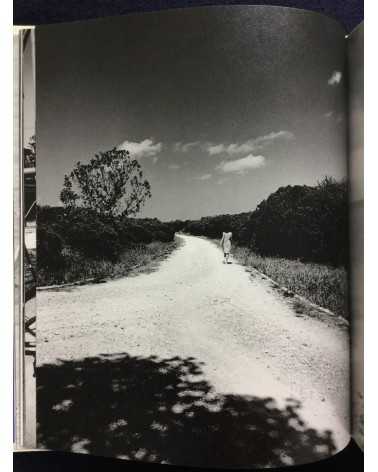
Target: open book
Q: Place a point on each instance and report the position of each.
(189, 214)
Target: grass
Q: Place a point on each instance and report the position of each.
(321, 284)
(77, 267)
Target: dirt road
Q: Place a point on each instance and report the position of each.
(195, 363)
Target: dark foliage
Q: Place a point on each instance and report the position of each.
(91, 235)
(49, 248)
(310, 223)
(297, 222)
(213, 226)
(64, 235)
(111, 184)
(162, 410)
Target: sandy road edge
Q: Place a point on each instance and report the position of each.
(288, 295)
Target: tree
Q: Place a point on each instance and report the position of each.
(111, 184)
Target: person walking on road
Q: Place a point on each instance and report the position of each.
(226, 246)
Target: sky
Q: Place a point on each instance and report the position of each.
(221, 105)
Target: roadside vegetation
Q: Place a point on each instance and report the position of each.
(82, 244)
(76, 267)
(94, 233)
(321, 284)
(298, 237)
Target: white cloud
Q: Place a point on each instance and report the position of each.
(174, 166)
(146, 148)
(204, 177)
(214, 149)
(273, 136)
(234, 149)
(250, 145)
(335, 78)
(185, 147)
(240, 166)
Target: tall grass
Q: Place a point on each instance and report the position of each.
(323, 285)
(76, 267)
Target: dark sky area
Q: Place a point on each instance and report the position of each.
(221, 105)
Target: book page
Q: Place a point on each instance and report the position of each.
(24, 238)
(356, 170)
(192, 237)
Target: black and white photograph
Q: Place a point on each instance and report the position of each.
(192, 237)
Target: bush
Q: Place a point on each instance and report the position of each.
(69, 240)
(93, 236)
(295, 222)
(139, 234)
(310, 223)
(49, 249)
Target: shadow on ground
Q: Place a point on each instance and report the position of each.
(162, 410)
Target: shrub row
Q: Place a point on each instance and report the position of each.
(295, 222)
(62, 233)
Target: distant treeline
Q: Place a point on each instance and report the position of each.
(295, 222)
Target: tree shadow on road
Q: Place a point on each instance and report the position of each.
(163, 410)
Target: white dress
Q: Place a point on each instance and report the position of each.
(226, 242)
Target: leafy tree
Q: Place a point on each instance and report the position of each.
(67, 196)
(111, 184)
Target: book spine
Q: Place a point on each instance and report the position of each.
(22, 436)
(18, 333)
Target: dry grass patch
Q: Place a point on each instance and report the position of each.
(323, 285)
(140, 257)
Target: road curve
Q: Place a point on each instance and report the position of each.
(204, 365)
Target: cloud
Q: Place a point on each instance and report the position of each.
(174, 166)
(250, 145)
(336, 117)
(185, 147)
(215, 149)
(240, 166)
(335, 78)
(204, 177)
(234, 149)
(146, 148)
(273, 136)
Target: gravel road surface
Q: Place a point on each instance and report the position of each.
(195, 363)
